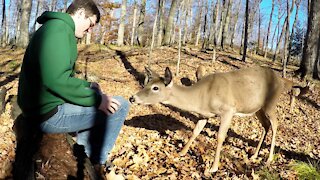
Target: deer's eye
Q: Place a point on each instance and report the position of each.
(155, 88)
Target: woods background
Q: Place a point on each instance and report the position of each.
(284, 30)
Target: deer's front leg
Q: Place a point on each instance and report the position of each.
(199, 126)
(223, 129)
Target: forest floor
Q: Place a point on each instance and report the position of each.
(153, 135)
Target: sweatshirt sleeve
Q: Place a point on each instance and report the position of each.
(56, 68)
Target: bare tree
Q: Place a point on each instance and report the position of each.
(222, 16)
(298, 2)
(311, 52)
(234, 28)
(226, 24)
(276, 29)
(141, 38)
(160, 32)
(198, 23)
(205, 24)
(187, 6)
(134, 22)
(245, 43)
(269, 28)
(168, 31)
(4, 24)
(286, 42)
(215, 31)
(24, 25)
(39, 6)
(283, 31)
(53, 6)
(154, 31)
(256, 50)
(65, 5)
(122, 22)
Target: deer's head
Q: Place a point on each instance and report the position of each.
(156, 89)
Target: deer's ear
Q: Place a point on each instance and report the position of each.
(168, 77)
(150, 75)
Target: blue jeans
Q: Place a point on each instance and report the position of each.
(96, 131)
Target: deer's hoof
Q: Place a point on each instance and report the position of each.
(182, 153)
(213, 169)
(254, 157)
(269, 160)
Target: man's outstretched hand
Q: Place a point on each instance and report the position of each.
(108, 104)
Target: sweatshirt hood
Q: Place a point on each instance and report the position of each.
(46, 16)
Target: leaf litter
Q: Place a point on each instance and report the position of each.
(150, 140)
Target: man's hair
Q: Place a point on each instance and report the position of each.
(89, 6)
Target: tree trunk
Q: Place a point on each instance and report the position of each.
(122, 22)
(17, 22)
(269, 28)
(134, 22)
(205, 33)
(185, 31)
(141, 38)
(154, 31)
(226, 24)
(24, 25)
(245, 43)
(179, 43)
(283, 31)
(39, 5)
(53, 5)
(275, 31)
(279, 40)
(216, 13)
(259, 33)
(4, 24)
(223, 8)
(160, 32)
(293, 28)
(286, 46)
(168, 31)
(311, 51)
(7, 24)
(234, 29)
(65, 5)
(198, 24)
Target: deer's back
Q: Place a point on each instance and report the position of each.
(246, 90)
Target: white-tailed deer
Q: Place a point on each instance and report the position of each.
(241, 92)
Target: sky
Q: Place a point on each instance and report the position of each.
(266, 5)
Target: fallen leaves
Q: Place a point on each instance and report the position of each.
(152, 137)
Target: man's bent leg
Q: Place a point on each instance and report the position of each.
(100, 139)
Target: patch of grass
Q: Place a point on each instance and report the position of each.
(265, 173)
(13, 65)
(308, 171)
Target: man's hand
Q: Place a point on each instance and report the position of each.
(108, 104)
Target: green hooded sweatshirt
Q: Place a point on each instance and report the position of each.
(46, 77)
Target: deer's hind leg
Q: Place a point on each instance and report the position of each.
(269, 112)
(274, 126)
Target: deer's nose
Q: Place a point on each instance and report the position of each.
(132, 99)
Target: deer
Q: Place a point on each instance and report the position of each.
(242, 92)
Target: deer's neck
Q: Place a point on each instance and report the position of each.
(186, 98)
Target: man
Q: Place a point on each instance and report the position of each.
(49, 93)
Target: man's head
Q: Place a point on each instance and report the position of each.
(85, 15)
